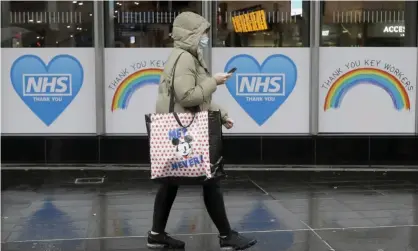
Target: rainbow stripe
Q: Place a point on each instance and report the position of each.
(132, 83)
(372, 76)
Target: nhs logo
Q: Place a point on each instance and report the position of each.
(254, 86)
(47, 85)
(47, 89)
(260, 89)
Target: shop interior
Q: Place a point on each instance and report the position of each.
(136, 24)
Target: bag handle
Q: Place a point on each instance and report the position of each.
(172, 94)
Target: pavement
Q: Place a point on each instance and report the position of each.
(285, 211)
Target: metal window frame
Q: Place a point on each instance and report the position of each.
(315, 39)
(99, 43)
(207, 14)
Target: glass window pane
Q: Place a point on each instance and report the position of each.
(47, 24)
(261, 24)
(143, 23)
(368, 23)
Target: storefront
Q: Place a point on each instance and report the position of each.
(75, 82)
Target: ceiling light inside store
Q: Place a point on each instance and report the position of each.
(39, 21)
(30, 20)
(136, 3)
(71, 36)
(325, 33)
(80, 3)
(68, 26)
(74, 1)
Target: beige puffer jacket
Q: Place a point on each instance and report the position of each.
(192, 83)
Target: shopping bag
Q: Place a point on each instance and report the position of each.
(185, 147)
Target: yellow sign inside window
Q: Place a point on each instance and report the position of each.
(250, 22)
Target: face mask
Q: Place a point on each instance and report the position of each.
(204, 41)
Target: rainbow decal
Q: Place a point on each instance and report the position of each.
(132, 83)
(372, 76)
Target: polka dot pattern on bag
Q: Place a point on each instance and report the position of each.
(185, 156)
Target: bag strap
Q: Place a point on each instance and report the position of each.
(172, 94)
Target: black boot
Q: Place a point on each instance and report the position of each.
(158, 241)
(235, 241)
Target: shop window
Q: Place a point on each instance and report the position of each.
(143, 23)
(46, 24)
(261, 24)
(368, 23)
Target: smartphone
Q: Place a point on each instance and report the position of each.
(232, 70)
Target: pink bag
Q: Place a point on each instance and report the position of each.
(185, 146)
(179, 151)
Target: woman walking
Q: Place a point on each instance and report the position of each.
(193, 89)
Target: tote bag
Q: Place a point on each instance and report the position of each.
(185, 147)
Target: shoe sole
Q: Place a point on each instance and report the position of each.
(250, 244)
(162, 246)
(156, 246)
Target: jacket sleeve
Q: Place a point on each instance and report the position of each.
(188, 93)
(224, 114)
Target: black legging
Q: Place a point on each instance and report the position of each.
(214, 202)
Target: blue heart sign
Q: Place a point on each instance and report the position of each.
(47, 89)
(261, 89)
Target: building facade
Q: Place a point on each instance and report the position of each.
(318, 83)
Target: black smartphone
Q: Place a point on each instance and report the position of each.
(232, 70)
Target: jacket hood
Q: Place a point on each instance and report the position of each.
(188, 28)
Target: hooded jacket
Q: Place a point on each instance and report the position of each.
(193, 85)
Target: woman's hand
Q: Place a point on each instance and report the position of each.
(229, 123)
(222, 77)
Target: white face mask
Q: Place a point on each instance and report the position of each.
(204, 41)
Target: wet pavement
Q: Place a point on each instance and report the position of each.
(284, 211)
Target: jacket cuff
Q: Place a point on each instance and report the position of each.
(224, 118)
(209, 87)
